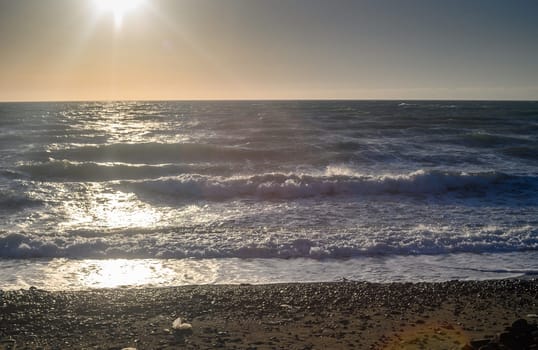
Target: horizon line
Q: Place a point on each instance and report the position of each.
(267, 100)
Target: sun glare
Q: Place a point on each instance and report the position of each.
(118, 8)
(123, 272)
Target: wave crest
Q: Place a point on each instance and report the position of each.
(289, 186)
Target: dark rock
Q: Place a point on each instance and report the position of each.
(520, 325)
(490, 346)
(476, 344)
(520, 336)
(508, 339)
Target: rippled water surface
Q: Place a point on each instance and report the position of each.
(228, 182)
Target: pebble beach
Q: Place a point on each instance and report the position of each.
(336, 315)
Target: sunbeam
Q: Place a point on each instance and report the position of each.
(118, 8)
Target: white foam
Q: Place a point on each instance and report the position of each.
(252, 243)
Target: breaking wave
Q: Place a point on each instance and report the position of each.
(289, 186)
(154, 244)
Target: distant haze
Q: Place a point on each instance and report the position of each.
(269, 49)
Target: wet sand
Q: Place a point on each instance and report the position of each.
(340, 315)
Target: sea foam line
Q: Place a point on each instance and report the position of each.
(172, 245)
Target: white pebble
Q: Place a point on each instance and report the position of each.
(180, 326)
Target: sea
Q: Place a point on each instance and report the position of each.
(155, 194)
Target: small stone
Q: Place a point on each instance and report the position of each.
(177, 325)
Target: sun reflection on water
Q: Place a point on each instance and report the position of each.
(65, 274)
(121, 272)
(98, 207)
(121, 209)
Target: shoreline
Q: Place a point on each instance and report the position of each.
(71, 274)
(332, 315)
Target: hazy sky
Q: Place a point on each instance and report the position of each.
(269, 49)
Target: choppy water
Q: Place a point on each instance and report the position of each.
(337, 183)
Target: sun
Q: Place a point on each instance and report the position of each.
(118, 8)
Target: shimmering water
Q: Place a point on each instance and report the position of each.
(332, 185)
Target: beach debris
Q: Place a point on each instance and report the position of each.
(129, 348)
(177, 325)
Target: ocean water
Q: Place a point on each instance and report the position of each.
(163, 193)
